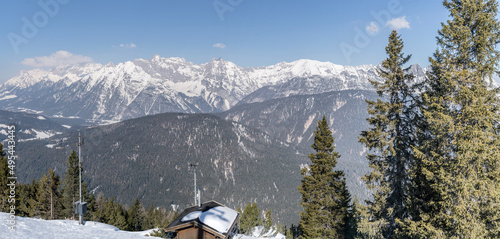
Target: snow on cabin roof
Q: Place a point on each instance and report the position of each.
(213, 215)
(219, 218)
(192, 216)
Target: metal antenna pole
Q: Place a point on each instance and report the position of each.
(195, 191)
(195, 196)
(80, 216)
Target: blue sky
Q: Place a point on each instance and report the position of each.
(43, 33)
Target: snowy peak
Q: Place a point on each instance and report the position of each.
(222, 68)
(28, 78)
(310, 67)
(173, 69)
(178, 69)
(158, 85)
(305, 68)
(69, 74)
(156, 57)
(172, 60)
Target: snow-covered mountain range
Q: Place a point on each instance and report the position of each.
(144, 87)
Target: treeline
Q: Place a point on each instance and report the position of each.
(434, 146)
(52, 198)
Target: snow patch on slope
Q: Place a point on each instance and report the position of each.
(308, 123)
(43, 134)
(258, 233)
(7, 97)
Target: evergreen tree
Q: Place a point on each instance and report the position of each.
(122, 218)
(250, 218)
(350, 221)
(239, 210)
(322, 189)
(71, 186)
(268, 222)
(158, 218)
(91, 209)
(294, 232)
(289, 234)
(48, 196)
(168, 217)
(109, 216)
(101, 204)
(281, 228)
(136, 216)
(390, 139)
(457, 171)
(27, 199)
(151, 218)
(367, 228)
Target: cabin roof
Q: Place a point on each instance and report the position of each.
(209, 212)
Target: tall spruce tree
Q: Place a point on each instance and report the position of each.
(323, 190)
(101, 204)
(350, 223)
(71, 186)
(109, 216)
(250, 218)
(457, 171)
(136, 216)
(48, 196)
(151, 219)
(390, 139)
(366, 227)
(267, 222)
(122, 219)
(26, 197)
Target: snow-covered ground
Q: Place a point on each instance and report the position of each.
(257, 234)
(279, 236)
(30, 228)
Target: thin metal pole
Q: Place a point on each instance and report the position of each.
(80, 216)
(195, 193)
(195, 196)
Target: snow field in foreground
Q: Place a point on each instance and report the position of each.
(32, 228)
(28, 228)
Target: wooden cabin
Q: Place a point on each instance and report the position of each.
(210, 220)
